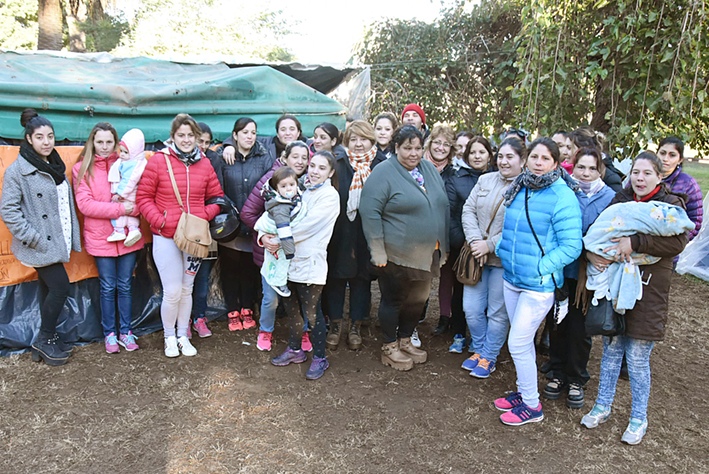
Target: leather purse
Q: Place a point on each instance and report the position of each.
(192, 235)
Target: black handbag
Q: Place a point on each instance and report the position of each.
(603, 320)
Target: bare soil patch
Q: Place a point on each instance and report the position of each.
(228, 410)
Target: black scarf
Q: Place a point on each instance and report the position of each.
(529, 180)
(187, 158)
(54, 164)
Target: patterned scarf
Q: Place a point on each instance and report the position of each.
(440, 165)
(187, 158)
(594, 187)
(418, 177)
(362, 166)
(529, 180)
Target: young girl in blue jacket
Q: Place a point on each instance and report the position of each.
(541, 235)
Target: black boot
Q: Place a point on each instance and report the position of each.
(45, 348)
(442, 327)
(63, 346)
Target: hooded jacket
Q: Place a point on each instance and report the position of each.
(682, 183)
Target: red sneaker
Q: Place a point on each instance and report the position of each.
(248, 316)
(264, 341)
(305, 344)
(235, 321)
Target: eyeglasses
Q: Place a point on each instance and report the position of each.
(440, 143)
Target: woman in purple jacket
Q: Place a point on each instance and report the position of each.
(671, 153)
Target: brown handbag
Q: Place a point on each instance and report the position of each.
(467, 268)
(192, 235)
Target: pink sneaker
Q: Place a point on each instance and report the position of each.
(264, 341)
(112, 344)
(248, 318)
(128, 341)
(235, 321)
(200, 325)
(522, 414)
(305, 344)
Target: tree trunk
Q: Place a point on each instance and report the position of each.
(49, 16)
(76, 13)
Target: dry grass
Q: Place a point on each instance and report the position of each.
(229, 411)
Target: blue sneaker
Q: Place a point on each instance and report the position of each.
(458, 344)
(317, 368)
(471, 362)
(288, 356)
(483, 369)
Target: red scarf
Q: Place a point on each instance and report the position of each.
(648, 196)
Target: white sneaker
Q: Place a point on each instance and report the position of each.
(186, 346)
(415, 341)
(132, 238)
(116, 237)
(171, 349)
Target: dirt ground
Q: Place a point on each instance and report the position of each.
(228, 410)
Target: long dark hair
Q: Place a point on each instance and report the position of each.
(31, 121)
(550, 145)
(332, 162)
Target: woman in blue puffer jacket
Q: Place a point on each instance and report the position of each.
(542, 211)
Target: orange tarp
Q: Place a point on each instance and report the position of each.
(81, 265)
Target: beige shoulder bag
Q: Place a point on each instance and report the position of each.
(192, 234)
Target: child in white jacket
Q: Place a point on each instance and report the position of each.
(124, 176)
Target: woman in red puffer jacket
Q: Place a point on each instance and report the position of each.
(196, 182)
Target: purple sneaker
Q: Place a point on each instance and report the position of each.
(112, 344)
(288, 356)
(317, 368)
(128, 341)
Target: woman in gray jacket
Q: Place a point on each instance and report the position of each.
(482, 219)
(38, 208)
(405, 214)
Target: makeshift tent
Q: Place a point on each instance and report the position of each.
(78, 91)
(695, 257)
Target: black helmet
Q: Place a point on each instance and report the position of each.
(225, 226)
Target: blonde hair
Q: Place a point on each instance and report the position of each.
(361, 128)
(447, 133)
(87, 155)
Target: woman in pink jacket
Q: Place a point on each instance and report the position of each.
(196, 182)
(115, 262)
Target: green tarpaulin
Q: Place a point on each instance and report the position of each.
(76, 92)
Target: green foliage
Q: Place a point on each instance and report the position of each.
(637, 71)
(197, 27)
(460, 69)
(104, 34)
(18, 24)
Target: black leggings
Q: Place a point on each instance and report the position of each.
(301, 304)
(54, 290)
(240, 277)
(402, 302)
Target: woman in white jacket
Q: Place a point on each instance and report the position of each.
(308, 268)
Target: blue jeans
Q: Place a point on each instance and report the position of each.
(637, 352)
(115, 275)
(488, 329)
(200, 292)
(269, 303)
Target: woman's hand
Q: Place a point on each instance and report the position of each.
(482, 260)
(601, 263)
(623, 249)
(268, 243)
(129, 208)
(479, 248)
(229, 154)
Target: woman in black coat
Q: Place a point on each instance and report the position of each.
(348, 255)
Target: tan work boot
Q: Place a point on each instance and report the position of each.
(333, 335)
(393, 357)
(354, 338)
(417, 355)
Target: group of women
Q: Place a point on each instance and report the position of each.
(382, 201)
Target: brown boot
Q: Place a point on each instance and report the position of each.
(354, 338)
(417, 355)
(333, 335)
(393, 357)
